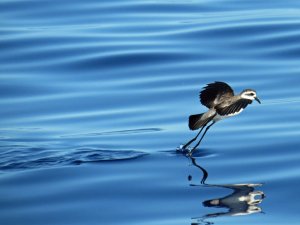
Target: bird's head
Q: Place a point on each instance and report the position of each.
(249, 94)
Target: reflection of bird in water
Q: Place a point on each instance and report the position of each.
(219, 98)
(204, 171)
(243, 200)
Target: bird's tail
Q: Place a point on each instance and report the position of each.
(196, 121)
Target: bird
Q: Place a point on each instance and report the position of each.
(222, 103)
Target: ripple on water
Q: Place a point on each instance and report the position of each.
(24, 157)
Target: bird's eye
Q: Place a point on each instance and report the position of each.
(251, 94)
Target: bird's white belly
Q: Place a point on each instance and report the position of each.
(220, 117)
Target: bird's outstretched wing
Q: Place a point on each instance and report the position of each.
(228, 108)
(214, 93)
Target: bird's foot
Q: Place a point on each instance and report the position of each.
(185, 151)
(190, 152)
(182, 150)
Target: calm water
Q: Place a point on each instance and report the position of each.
(95, 97)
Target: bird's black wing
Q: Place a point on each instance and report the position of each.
(213, 93)
(234, 107)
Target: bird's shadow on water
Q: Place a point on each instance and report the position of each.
(243, 200)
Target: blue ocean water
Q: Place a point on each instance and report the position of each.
(94, 102)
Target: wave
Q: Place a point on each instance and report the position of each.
(22, 157)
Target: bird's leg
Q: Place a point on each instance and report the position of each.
(191, 152)
(194, 139)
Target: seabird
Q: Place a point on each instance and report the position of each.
(219, 98)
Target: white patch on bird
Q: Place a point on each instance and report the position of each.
(251, 95)
(220, 117)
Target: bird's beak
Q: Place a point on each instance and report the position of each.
(256, 98)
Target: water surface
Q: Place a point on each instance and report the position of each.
(95, 98)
